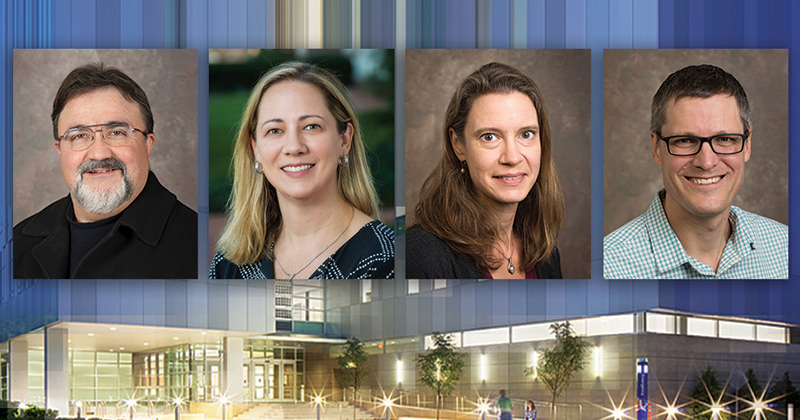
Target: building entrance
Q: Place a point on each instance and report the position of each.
(272, 380)
(273, 373)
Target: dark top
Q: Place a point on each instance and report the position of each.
(369, 254)
(154, 238)
(429, 257)
(84, 236)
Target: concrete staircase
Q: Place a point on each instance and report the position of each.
(304, 411)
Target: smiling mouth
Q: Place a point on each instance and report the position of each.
(704, 181)
(101, 171)
(296, 168)
(510, 177)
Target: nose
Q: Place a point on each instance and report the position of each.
(99, 147)
(511, 154)
(706, 158)
(295, 143)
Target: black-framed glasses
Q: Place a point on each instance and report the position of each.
(115, 134)
(721, 144)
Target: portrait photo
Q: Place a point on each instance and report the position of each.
(519, 163)
(102, 127)
(301, 164)
(661, 107)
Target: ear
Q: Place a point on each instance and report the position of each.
(458, 146)
(747, 143)
(347, 138)
(656, 149)
(150, 141)
(254, 148)
(57, 145)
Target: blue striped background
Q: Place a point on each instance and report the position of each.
(593, 24)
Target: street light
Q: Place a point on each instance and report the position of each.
(178, 402)
(318, 400)
(484, 407)
(131, 403)
(223, 400)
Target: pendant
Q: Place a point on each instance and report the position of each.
(510, 267)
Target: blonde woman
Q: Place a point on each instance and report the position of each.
(303, 205)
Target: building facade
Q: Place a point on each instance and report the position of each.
(105, 342)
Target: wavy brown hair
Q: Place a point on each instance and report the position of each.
(451, 208)
(254, 217)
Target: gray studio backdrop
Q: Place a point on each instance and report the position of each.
(564, 78)
(631, 78)
(168, 77)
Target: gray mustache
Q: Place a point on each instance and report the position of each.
(108, 163)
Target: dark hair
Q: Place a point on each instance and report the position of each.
(449, 206)
(89, 77)
(701, 81)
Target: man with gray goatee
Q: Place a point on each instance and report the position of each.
(118, 221)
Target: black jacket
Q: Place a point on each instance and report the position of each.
(429, 257)
(154, 238)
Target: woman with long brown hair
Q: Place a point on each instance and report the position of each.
(493, 206)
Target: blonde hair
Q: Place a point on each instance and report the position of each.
(254, 218)
(449, 206)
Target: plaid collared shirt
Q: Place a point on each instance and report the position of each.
(647, 248)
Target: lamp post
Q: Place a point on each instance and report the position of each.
(223, 400)
(131, 404)
(177, 401)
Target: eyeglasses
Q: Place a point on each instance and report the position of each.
(721, 144)
(114, 134)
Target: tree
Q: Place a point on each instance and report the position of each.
(441, 367)
(706, 393)
(783, 393)
(353, 365)
(558, 365)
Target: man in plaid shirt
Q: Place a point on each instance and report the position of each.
(701, 135)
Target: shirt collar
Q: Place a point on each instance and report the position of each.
(668, 251)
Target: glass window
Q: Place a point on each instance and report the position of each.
(439, 284)
(413, 287)
(737, 330)
(660, 323)
(701, 327)
(610, 325)
(771, 334)
(366, 291)
(534, 332)
(486, 337)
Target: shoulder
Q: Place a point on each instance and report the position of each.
(766, 238)
(551, 269)
(764, 228)
(429, 257)
(369, 254)
(621, 238)
(627, 251)
(42, 223)
(222, 268)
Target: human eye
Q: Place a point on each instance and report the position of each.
(118, 131)
(274, 131)
(725, 139)
(488, 137)
(683, 141)
(528, 134)
(311, 127)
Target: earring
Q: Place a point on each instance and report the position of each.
(259, 168)
(344, 161)
(463, 166)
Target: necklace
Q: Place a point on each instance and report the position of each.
(291, 276)
(510, 267)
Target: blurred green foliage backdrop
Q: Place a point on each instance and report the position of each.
(368, 74)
